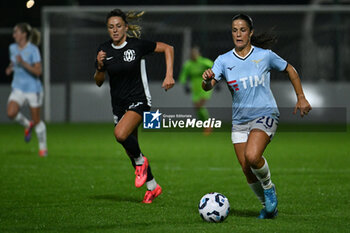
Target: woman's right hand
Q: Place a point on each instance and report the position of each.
(101, 56)
(208, 83)
(208, 75)
(9, 70)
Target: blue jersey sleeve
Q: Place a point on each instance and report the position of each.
(218, 69)
(276, 62)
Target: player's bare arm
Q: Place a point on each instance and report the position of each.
(302, 104)
(99, 75)
(208, 80)
(168, 51)
(9, 69)
(35, 69)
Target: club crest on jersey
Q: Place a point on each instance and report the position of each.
(129, 55)
(257, 62)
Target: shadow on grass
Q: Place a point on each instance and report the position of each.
(114, 197)
(17, 152)
(64, 228)
(244, 213)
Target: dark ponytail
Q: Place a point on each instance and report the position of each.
(263, 40)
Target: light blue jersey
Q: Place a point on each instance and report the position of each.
(22, 79)
(248, 79)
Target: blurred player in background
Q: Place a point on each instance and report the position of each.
(25, 64)
(194, 69)
(121, 57)
(246, 70)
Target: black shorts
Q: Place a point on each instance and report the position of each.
(138, 107)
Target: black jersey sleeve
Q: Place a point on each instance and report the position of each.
(98, 50)
(147, 46)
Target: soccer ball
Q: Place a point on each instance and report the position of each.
(214, 207)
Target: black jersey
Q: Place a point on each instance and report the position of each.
(127, 71)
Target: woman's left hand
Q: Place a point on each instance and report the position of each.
(19, 59)
(168, 82)
(303, 105)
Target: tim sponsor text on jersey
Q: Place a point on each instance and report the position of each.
(250, 81)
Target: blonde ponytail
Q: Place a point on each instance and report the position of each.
(35, 37)
(33, 34)
(134, 29)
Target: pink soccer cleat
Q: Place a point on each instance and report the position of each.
(28, 132)
(141, 173)
(150, 195)
(43, 153)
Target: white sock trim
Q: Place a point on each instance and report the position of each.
(139, 160)
(40, 130)
(151, 185)
(258, 191)
(21, 119)
(263, 174)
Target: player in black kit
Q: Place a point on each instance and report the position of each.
(121, 57)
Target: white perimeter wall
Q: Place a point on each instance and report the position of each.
(90, 103)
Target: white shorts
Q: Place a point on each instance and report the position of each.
(34, 100)
(241, 132)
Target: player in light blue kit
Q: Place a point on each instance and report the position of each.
(246, 70)
(25, 64)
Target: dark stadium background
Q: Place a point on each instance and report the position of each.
(86, 182)
(13, 12)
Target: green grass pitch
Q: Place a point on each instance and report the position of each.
(86, 184)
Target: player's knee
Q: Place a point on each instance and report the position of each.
(11, 114)
(252, 159)
(120, 137)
